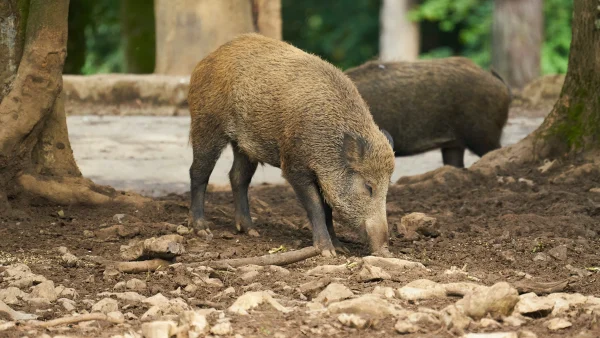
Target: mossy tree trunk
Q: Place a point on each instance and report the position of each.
(188, 30)
(517, 37)
(573, 125)
(35, 152)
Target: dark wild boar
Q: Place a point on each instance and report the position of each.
(448, 103)
(276, 104)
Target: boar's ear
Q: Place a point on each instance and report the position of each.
(388, 136)
(353, 149)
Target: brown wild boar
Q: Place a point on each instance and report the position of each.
(448, 103)
(276, 104)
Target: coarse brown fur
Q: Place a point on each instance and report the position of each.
(448, 103)
(278, 105)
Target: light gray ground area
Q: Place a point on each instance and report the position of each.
(151, 155)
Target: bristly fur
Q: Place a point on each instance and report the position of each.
(430, 104)
(284, 107)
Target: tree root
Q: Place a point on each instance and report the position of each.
(76, 190)
(141, 266)
(76, 319)
(279, 259)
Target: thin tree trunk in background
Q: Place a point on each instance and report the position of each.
(517, 37)
(188, 30)
(80, 14)
(138, 35)
(399, 38)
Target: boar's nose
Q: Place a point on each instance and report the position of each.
(376, 229)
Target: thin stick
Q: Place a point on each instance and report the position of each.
(77, 319)
(141, 266)
(283, 258)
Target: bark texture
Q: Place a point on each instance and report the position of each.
(188, 30)
(517, 37)
(35, 152)
(399, 38)
(573, 125)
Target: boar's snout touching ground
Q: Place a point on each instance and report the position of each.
(276, 104)
(448, 103)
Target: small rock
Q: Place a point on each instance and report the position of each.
(578, 272)
(12, 295)
(222, 329)
(369, 305)
(177, 306)
(106, 305)
(352, 321)
(44, 290)
(405, 327)
(27, 281)
(252, 287)
(425, 320)
(250, 276)
(488, 323)
(183, 230)
(229, 291)
(370, 273)
(421, 289)
(418, 223)
(253, 299)
(314, 306)
(508, 255)
(328, 270)
(334, 292)
(116, 316)
(153, 312)
(454, 319)
(227, 235)
(129, 297)
(564, 301)
(158, 300)
(595, 190)
(531, 305)
(64, 292)
(515, 320)
(492, 335)
(555, 324)
(526, 181)
(176, 292)
(6, 325)
(120, 286)
(386, 292)
(559, 252)
(498, 300)
(540, 257)
(314, 286)
(393, 265)
(69, 260)
(67, 304)
(88, 234)
(279, 270)
(192, 288)
(197, 323)
(7, 311)
(159, 329)
(527, 334)
(38, 302)
(136, 284)
(62, 250)
(125, 219)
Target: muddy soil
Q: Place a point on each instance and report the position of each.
(491, 230)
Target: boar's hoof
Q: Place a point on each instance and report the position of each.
(202, 228)
(247, 228)
(328, 253)
(340, 248)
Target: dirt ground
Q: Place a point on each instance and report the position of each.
(491, 230)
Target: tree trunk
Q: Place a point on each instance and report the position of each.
(35, 153)
(138, 35)
(81, 12)
(573, 125)
(399, 38)
(188, 30)
(517, 37)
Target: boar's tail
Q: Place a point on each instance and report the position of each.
(504, 82)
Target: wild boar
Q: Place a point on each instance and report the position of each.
(448, 103)
(276, 104)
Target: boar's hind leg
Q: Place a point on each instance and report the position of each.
(205, 157)
(339, 247)
(454, 156)
(240, 176)
(310, 197)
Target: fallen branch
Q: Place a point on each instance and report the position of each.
(141, 266)
(540, 288)
(76, 319)
(283, 258)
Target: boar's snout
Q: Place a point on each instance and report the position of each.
(376, 229)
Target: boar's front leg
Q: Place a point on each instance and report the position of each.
(454, 156)
(310, 197)
(339, 247)
(240, 176)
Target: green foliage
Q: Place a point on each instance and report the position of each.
(103, 39)
(345, 33)
(473, 19)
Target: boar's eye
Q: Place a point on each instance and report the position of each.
(369, 189)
